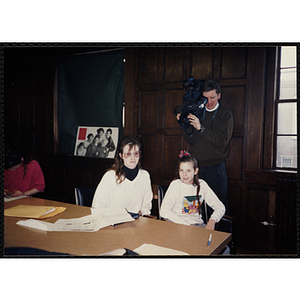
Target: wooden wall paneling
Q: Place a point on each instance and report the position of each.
(152, 95)
(149, 59)
(147, 73)
(286, 213)
(172, 99)
(235, 159)
(217, 63)
(234, 62)
(271, 205)
(234, 200)
(257, 209)
(255, 108)
(172, 147)
(174, 66)
(160, 132)
(172, 139)
(270, 199)
(150, 151)
(233, 97)
(271, 78)
(202, 63)
(148, 107)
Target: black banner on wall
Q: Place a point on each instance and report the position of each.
(91, 93)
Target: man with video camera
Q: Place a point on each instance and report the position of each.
(210, 139)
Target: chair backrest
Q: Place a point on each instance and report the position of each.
(161, 190)
(204, 212)
(84, 196)
(154, 209)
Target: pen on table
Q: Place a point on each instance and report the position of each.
(209, 240)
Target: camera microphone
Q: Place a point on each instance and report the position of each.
(202, 105)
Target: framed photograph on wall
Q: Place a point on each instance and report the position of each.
(96, 141)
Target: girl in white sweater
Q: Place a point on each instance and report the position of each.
(183, 198)
(126, 184)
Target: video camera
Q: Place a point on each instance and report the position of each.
(193, 103)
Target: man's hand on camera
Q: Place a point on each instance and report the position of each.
(194, 121)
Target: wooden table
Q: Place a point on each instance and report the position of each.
(190, 239)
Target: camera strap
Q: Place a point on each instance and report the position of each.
(191, 133)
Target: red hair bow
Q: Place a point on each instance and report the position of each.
(184, 153)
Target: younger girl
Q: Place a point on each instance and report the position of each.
(183, 198)
(126, 184)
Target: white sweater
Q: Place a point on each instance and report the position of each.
(133, 195)
(178, 209)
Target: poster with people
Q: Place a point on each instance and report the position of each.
(96, 141)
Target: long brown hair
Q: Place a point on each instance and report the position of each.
(118, 166)
(189, 158)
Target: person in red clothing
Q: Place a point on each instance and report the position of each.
(23, 175)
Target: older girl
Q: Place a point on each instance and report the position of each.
(126, 184)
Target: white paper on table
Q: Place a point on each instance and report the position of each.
(114, 216)
(149, 249)
(116, 252)
(37, 224)
(8, 199)
(86, 223)
(99, 218)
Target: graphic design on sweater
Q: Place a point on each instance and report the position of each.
(191, 205)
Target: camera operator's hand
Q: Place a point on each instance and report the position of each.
(194, 121)
(178, 116)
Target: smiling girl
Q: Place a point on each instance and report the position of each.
(184, 196)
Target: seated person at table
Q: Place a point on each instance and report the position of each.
(126, 184)
(183, 198)
(23, 175)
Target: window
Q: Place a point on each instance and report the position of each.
(286, 107)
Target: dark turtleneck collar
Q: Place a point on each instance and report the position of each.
(131, 173)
